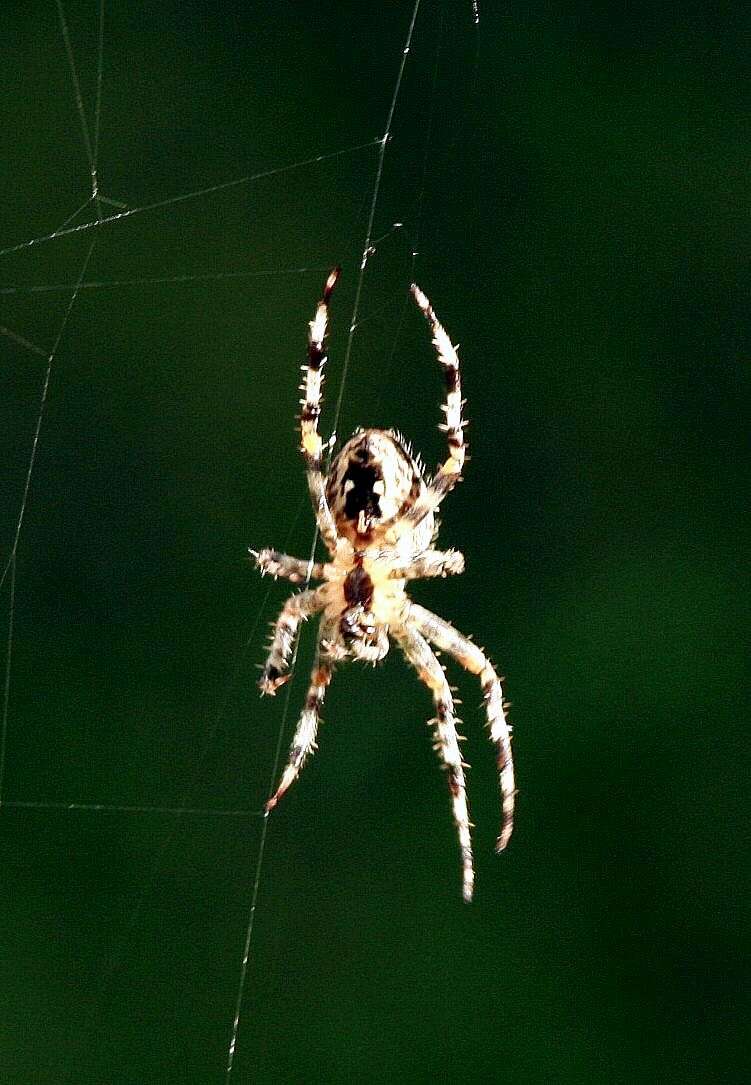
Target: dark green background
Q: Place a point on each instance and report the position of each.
(576, 180)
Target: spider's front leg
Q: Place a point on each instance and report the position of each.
(296, 609)
(422, 658)
(444, 636)
(304, 740)
(311, 444)
(275, 563)
(449, 473)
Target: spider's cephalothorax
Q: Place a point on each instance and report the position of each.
(376, 515)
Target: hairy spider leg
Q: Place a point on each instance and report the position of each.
(296, 609)
(304, 740)
(423, 659)
(449, 473)
(275, 563)
(464, 651)
(311, 444)
(430, 563)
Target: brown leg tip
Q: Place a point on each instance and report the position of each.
(501, 842)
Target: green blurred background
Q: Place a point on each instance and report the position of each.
(575, 180)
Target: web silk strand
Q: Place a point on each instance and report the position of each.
(40, 417)
(232, 1049)
(170, 201)
(11, 562)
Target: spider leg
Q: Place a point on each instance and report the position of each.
(449, 473)
(311, 444)
(277, 564)
(420, 655)
(296, 609)
(430, 563)
(444, 636)
(304, 740)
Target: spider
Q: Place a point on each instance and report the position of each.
(376, 516)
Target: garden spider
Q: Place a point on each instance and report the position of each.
(376, 515)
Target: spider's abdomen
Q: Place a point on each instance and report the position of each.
(373, 481)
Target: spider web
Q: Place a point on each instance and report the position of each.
(161, 285)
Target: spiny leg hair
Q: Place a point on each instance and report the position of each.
(304, 740)
(464, 651)
(420, 655)
(311, 444)
(296, 609)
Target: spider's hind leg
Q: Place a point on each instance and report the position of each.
(430, 671)
(444, 636)
(304, 740)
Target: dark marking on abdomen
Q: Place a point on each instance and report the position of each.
(358, 588)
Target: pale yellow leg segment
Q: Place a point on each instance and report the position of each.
(422, 658)
(448, 639)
